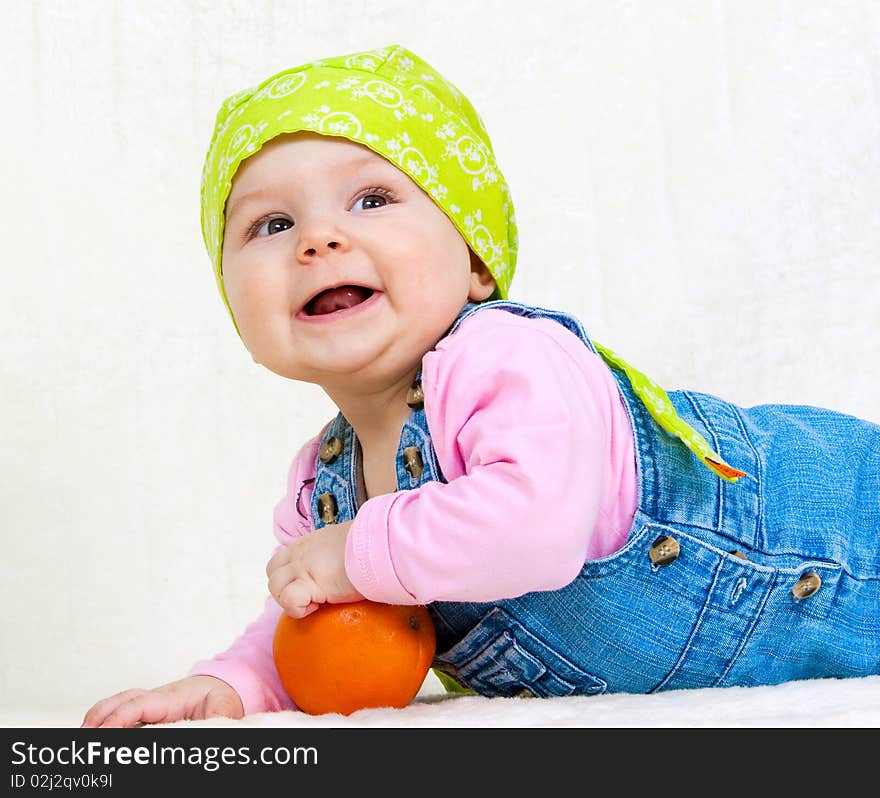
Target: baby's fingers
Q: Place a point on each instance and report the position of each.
(96, 715)
(220, 703)
(278, 560)
(150, 707)
(296, 599)
(286, 575)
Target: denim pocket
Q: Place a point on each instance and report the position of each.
(500, 657)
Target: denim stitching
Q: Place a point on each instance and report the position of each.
(748, 633)
(741, 585)
(693, 634)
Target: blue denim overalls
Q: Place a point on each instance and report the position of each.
(774, 578)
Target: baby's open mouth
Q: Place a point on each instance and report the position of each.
(339, 298)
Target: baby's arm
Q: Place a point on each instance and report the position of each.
(518, 412)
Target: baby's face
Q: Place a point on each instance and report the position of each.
(337, 266)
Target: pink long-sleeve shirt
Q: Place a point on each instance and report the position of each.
(533, 439)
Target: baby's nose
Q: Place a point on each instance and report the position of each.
(311, 251)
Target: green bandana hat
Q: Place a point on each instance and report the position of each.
(400, 107)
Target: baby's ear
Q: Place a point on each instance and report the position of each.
(482, 281)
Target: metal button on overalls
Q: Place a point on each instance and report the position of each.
(415, 397)
(412, 461)
(808, 584)
(664, 550)
(327, 508)
(330, 450)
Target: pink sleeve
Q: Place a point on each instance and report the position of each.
(520, 415)
(248, 665)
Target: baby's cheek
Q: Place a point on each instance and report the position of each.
(250, 295)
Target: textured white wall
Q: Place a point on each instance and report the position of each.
(698, 180)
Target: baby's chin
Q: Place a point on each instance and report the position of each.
(360, 373)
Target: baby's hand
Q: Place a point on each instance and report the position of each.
(311, 571)
(193, 698)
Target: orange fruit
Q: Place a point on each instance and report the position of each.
(346, 657)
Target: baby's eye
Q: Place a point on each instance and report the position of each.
(371, 201)
(373, 198)
(277, 224)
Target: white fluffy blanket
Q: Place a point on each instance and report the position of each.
(814, 703)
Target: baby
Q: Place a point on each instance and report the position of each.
(572, 528)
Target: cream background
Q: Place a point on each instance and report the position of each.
(697, 180)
